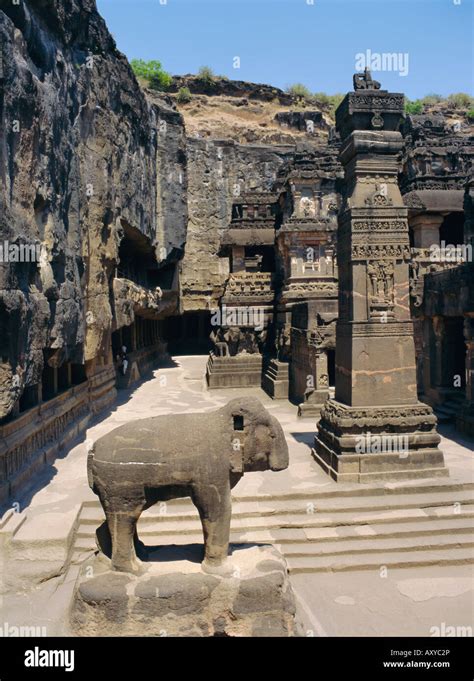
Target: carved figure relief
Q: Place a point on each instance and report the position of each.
(381, 294)
(307, 207)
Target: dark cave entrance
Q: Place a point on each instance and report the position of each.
(455, 352)
(452, 229)
(189, 333)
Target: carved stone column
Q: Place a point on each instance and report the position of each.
(426, 229)
(375, 428)
(318, 393)
(465, 420)
(321, 366)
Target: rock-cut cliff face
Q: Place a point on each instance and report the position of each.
(84, 158)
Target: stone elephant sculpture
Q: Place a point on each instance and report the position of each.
(201, 455)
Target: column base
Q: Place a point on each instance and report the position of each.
(311, 407)
(362, 444)
(276, 382)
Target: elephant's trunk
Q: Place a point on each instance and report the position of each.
(279, 457)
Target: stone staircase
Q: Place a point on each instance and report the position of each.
(398, 525)
(450, 408)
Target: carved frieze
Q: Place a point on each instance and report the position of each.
(364, 251)
(337, 414)
(363, 330)
(379, 226)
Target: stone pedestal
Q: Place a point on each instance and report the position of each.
(276, 382)
(378, 443)
(316, 398)
(242, 371)
(375, 428)
(175, 598)
(314, 402)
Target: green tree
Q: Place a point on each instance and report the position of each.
(414, 107)
(152, 72)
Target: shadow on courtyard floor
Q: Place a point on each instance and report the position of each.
(193, 553)
(48, 472)
(305, 438)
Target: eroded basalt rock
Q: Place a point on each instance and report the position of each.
(176, 599)
(83, 153)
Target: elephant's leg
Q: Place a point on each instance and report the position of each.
(215, 510)
(122, 527)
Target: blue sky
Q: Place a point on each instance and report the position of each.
(314, 42)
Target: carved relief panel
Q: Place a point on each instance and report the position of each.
(380, 289)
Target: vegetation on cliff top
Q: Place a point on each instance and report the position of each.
(152, 72)
(460, 102)
(154, 76)
(320, 99)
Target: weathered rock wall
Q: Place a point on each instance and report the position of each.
(218, 173)
(82, 153)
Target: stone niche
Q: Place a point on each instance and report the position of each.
(175, 598)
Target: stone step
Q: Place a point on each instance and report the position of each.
(316, 556)
(341, 491)
(367, 545)
(291, 546)
(172, 526)
(458, 525)
(374, 561)
(250, 509)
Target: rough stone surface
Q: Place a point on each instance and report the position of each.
(177, 599)
(86, 156)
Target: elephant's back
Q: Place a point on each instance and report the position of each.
(153, 440)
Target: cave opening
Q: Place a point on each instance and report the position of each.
(188, 334)
(452, 229)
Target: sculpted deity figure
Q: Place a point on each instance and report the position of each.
(364, 81)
